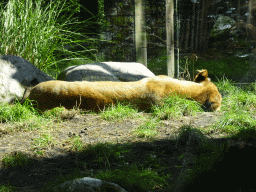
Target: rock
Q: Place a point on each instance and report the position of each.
(222, 23)
(106, 71)
(15, 74)
(88, 184)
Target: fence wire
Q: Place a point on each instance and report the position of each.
(120, 31)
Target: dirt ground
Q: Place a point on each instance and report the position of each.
(58, 160)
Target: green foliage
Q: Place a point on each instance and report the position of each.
(129, 177)
(233, 121)
(104, 154)
(101, 15)
(190, 137)
(119, 111)
(37, 31)
(235, 98)
(16, 159)
(44, 141)
(16, 112)
(147, 129)
(7, 188)
(222, 67)
(226, 86)
(77, 144)
(239, 106)
(175, 106)
(158, 65)
(54, 113)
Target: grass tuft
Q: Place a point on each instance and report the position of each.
(119, 112)
(234, 121)
(128, 178)
(174, 107)
(43, 142)
(147, 129)
(17, 112)
(15, 159)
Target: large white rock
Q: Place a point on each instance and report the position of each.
(15, 74)
(106, 71)
(88, 184)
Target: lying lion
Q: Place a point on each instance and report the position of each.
(148, 91)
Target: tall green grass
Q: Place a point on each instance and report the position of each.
(236, 98)
(239, 107)
(119, 111)
(174, 107)
(38, 31)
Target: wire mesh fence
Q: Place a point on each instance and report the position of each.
(120, 32)
(196, 32)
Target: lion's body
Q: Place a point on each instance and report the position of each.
(95, 95)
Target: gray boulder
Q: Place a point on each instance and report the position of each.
(88, 184)
(106, 71)
(16, 73)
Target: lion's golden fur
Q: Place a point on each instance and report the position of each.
(95, 95)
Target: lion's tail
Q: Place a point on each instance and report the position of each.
(32, 83)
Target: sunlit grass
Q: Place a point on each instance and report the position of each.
(147, 129)
(234, 121)
(119, 112)
(174, 106)
(38, 32)
(239, 106)
(17, 112)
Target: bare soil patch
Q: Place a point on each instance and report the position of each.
(59, 160)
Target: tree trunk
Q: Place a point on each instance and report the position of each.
(250, 12)
(140, 33)
(197, 27)
(193, 29)
(202, 29)
(187, 34)
(177, 42)
(170, 37)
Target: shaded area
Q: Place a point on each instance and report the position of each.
(35, 175)
(233, 171)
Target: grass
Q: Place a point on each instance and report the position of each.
(38, 32)
(222, 67)
(174, 107)
(106, 155)
(119, 112)
(198, 150)
(239, 106)
(130, 175)
(147, 129)
(44, 141)
(17, 112)
(192, 62)
(16, 159)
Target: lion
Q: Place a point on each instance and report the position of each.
(146, 92)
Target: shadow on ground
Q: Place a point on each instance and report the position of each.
(234, 169)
